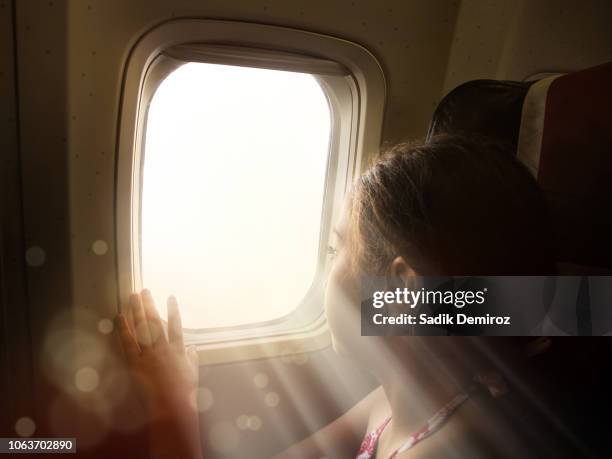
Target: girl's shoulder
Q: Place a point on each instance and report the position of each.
(473, 431)
(504, 427)
(379, 408)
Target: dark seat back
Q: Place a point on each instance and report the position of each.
(561, 128)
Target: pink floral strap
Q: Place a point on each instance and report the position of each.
(368, 445)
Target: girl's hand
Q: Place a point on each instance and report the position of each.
(165, 375)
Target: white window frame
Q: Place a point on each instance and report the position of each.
(354, 84)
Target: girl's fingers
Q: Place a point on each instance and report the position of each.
(141, 327)
(128, 314)
(192, 354)
(128, 341)
(175, 326)
(156, 328)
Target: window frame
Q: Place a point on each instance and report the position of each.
(355, 88)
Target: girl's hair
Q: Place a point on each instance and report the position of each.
(451, 206)
(455, 206)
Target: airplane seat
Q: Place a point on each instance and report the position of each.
(561, 128)
(486, 108)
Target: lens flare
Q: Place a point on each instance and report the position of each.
(25, 427)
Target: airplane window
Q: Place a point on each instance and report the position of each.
(233, 184)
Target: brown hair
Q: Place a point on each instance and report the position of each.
(451, 206)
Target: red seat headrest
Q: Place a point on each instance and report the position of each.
(566, 140)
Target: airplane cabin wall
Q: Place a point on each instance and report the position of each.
(514, 40)
(34, 198)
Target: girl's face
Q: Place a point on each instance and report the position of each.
(342, 298)
(341, 294)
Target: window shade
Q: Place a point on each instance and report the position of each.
(255, 57)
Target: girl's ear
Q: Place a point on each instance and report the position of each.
(401, 273)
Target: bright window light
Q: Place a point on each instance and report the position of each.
(233, 183)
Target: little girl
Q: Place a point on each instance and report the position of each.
(447, 207)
